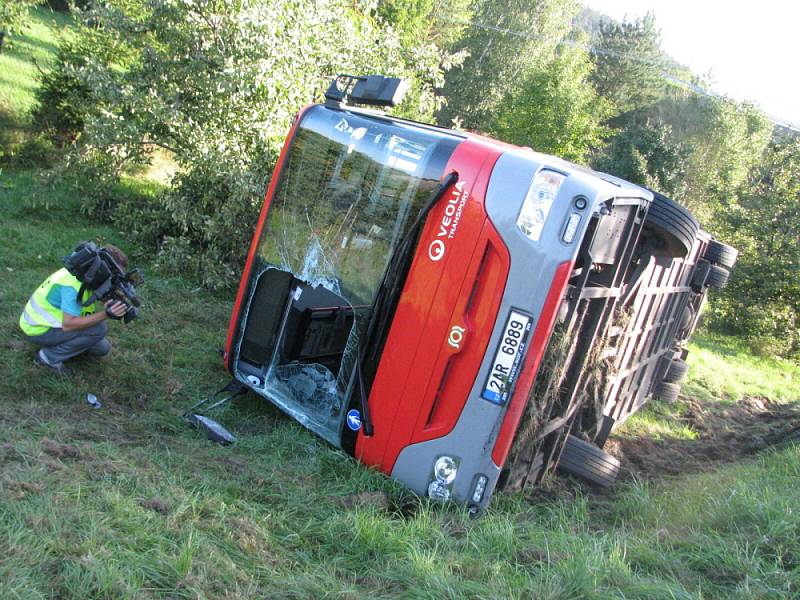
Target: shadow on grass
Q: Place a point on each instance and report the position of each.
(32, 45)
(726, 433)
(10, 124)
(723, 346)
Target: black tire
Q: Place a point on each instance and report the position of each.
(666, 392)
(588, 462)
(676, 371)
(717, 277)
(721, 254)
(673, 225)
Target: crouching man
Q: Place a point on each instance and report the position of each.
(56, 319)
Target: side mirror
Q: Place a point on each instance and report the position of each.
(379, 90)
(374, 90)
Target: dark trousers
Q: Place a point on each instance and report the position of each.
(60, 345)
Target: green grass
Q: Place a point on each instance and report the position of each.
(721, 372)
(34, 47)
(722, 368)
(128, 502)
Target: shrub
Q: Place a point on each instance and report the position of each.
(62, 99)
(216, 83)
(762, 300)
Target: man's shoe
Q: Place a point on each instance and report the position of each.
(59, 367)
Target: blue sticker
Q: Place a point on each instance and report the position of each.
(354, 420)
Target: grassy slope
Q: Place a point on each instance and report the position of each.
(18, 61)
(127, 502)
(721, 372)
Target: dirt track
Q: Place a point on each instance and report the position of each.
(726, 433)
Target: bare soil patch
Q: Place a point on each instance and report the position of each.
(156, 505)
(60, 451)
(726, 432)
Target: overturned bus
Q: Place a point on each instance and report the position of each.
(459, 313)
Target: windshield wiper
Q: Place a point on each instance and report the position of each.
(388, 295)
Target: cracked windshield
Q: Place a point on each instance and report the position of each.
(351, 187)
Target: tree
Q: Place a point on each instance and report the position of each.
(697, 149)
(216, 84)
(555, 110)
(629, 63)
(12, 16)
(728, 140)
(645, 152)
(438, 22)
(762, 300)
(505, 41)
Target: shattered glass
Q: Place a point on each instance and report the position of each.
(349, 190)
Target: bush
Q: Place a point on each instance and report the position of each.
(35, 151)
(216, 84)
(13, 14)
(64, 98)
(762, 300)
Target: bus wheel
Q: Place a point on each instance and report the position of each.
(666, 392)
(717, 277)
(588, 462)
(673, 225)
(721, 254)
(676, 372)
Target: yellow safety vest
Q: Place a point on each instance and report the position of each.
(43, 310)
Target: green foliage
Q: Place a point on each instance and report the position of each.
(696, 149)
(33, 48)
(438, 22)
(728, 139)
(216, 83)
(505, 42)
(63, 98)
(762, 300)
(645, 152)
(14, 14)
(629, 63)
(554, 110)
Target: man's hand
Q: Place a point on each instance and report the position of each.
(116, 309)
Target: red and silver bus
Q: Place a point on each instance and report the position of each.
(404, 281)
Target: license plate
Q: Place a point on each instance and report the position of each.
(507, 359)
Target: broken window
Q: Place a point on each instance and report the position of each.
(349, 190)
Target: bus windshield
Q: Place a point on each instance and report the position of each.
(350, 188)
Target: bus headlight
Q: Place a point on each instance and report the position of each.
(445, 470)
(538, 202)
(438, 491)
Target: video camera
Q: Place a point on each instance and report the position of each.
(97, 271)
